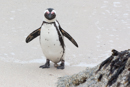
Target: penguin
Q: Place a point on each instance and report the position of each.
(51, 39)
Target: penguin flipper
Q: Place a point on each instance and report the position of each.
(69, 37)
(33, 35)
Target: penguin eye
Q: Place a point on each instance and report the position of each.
(52, 12)
(47, 12)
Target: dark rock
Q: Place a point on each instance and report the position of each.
(114, 71)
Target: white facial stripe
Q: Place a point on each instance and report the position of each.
(46, 11)
(54, 11)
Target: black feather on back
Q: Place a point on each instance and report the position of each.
(60, 37)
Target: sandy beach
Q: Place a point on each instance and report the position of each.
(29, 75)
(97, 26)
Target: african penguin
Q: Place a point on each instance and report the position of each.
(51, 39)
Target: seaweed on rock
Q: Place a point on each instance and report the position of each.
(114, 71)
(117, 64)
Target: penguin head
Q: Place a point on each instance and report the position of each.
(50, 14)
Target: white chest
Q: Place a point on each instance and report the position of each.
(50, 43)
(49, 33)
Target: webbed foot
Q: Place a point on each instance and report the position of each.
(44, 66)
(47, 64)
(61, 65)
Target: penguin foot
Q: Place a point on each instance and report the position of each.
(44, 66)
(61, 65)
(47, 64)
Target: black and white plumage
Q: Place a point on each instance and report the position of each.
(51, 39)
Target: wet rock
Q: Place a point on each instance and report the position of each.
(114, 71)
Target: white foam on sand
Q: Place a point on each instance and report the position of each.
(41, 60)
(11, 59)
(125, 14)
(12, 11)
(117, 4)
(11, 18)
(31, 61)
(12, 53)
(82, 64)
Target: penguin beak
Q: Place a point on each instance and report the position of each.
(50, 16)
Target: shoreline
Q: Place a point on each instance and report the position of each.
(30, 75)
